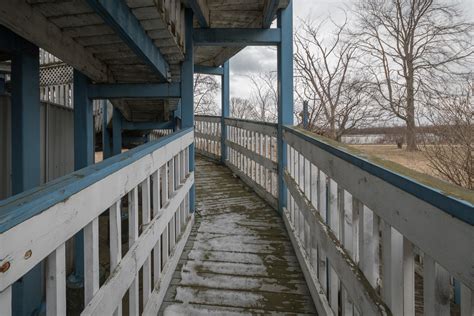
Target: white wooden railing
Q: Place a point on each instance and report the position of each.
(153, 180)
(252, 155)
(207, 131)
(251, 151)
(360, 231)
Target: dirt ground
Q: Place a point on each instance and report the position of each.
(413, 160)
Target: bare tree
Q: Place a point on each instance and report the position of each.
(205, 91)
(265, 95)
(407, 43)
(449, 146)
(329, 78)
(242, 108)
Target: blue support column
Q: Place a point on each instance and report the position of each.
(187, 93)
(106, 144)
(117, 132)
(225, 110)
(25, 122)
(83, 157)
(285, 90)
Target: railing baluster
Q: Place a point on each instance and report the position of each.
(56, 282)
(392, 263)
(436, 288)
(156, 212)
(145, 186)
(115, 233)
(408, 278)
(333, 220)
(132, 237)
(467, 301)
(91, 260)
(322, 211)
(6, 302)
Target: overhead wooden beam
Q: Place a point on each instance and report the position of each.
(120, 18)
(30, 24)
(134, 126)
(208, 70)
(269, 12)
(236, 37)
(134, 90)
(201, 11)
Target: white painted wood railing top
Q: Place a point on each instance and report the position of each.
(343, 209)
(35, 225)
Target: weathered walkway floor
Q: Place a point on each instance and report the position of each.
(238, 259)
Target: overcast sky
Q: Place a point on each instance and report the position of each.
(258, 59)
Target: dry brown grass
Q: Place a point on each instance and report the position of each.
(413, 160)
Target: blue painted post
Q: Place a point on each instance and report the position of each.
(117, 132)
(83, 157)
(305, 115)
(187, 93)
(106, 144)
(25, 124)
(285, 90)
(225, 110)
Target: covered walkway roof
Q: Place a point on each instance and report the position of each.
(133, 41)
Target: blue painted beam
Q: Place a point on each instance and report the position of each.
(236, 37)
(83, 157)
(208, 70)
(225, 103)
(201, 11)
(117, 120)
(285, 88)
(106, 141)
(187, 93)
(134, 90)
(270, 10)
(143, 126)
(119, 17)
(25, 154)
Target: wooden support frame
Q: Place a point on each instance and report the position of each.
(134, 90)
(237, 37)
(118, 15)
(225, 112)
(285, 88)
(208, 70)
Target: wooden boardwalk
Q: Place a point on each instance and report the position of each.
(238, 259)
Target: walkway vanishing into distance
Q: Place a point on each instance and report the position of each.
(238, 259)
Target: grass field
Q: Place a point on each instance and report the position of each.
(412, 160)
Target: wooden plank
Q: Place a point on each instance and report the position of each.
(436, 288)
(467, 301)
(146, 270)
(392, 269)
(261, 127)
(91, 260)
(257, 188)
(311, 276)
(133, 295)
(158, 294)
(103, 303)
(27, 22)
(363, 295)
(401, 210)
(6, 302)
(115, 231)
(267, 163)
(56, 282)
(54, 226)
